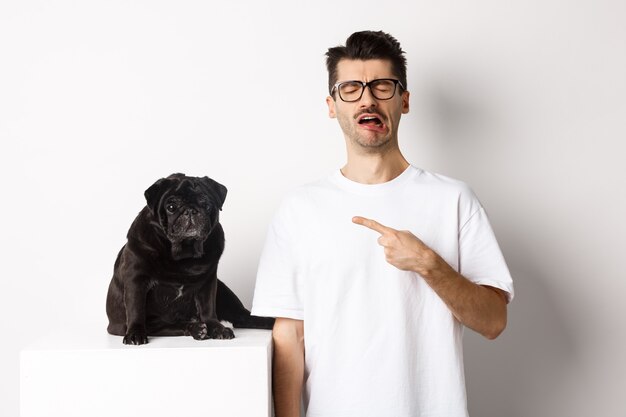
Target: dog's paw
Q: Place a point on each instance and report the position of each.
(136, 337)
(216, 330)
(198, 331)
(209, 330)
(223, 333)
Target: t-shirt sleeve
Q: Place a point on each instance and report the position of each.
(480, 258)
(278, 291)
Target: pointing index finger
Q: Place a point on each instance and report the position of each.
(371, 224)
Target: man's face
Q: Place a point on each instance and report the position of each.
(358, 119)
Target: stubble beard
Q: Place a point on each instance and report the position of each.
(370, 143)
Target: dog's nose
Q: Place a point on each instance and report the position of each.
(191, 211)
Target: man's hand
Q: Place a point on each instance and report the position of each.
(403, 249)
(481, 308)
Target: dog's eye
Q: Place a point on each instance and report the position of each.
(171, 208)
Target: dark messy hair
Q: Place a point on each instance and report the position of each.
(367, 45)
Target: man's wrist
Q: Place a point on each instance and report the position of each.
(432, 266)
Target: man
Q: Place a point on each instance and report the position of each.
(373, 272)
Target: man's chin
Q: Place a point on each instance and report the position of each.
(373, 144)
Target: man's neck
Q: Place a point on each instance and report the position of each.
(374, 168)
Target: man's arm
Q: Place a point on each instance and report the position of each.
(481, 308)
(288, 364)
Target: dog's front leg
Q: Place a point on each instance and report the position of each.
(209, 326)
(135, 291)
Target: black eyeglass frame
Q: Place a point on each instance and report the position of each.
(364, 85)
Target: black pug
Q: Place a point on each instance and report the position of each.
(165, 277)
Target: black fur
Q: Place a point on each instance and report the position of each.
(165, 277)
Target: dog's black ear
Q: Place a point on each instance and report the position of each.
(177, 175)
(217, 189)
(155, 192)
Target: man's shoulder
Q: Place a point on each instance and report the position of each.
(442, 183)
(301, 197)
(437, 186)
(307, 190)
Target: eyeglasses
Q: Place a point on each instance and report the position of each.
(351, 91)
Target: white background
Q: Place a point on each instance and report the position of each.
(524, 100)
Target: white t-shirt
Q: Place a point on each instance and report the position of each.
(378, 340)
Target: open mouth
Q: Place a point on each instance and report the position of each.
(370, 120)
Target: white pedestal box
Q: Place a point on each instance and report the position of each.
(94, 375)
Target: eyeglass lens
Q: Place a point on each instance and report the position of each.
(381, 89)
